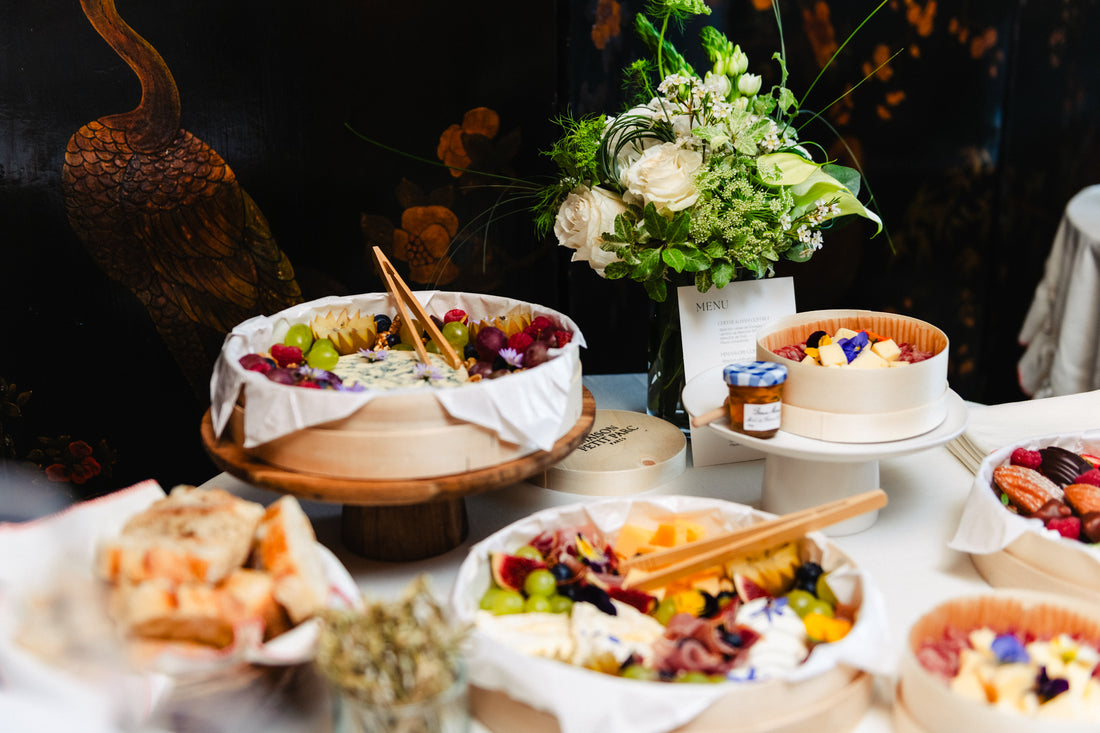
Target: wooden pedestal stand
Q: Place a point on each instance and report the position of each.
(393, 519)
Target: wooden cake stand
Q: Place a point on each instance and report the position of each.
(393, 519)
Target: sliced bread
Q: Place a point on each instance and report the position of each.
(286, 547)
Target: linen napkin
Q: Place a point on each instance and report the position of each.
(994, 426)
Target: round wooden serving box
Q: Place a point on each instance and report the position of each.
(399, 462)
(926, 704)
(847, 405)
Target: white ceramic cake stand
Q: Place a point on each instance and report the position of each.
(802, 472)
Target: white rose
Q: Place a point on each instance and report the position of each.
(583, 218)
(665, 176)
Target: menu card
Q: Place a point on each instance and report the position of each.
(719, 327)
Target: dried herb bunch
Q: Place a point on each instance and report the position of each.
(392, 652)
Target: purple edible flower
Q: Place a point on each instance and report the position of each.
(1046, 688)
(427, 372)
(852, 346)
(511, 357)
(1008, 649)
(372, 356)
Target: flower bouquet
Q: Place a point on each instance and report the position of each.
(703, 178)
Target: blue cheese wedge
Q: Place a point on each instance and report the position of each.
(398, 370)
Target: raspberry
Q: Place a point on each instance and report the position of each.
(1068, 527)
(1026, 458)
(520, 341)
(1092, 476)
(456, 314)
(539, 327)
(286, 356)
(561, 338)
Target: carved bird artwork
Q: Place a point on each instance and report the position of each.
(162, 213)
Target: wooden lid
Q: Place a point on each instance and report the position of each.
(624, 453)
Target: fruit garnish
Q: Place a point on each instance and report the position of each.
(748, 589)
(299, 335)
(510, 572)
(1091, 476)
(1026, 458)
(286, 356)
(520, 342)
(822, 628)
(456, 315)
(257, 363)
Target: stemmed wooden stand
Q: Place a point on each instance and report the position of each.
(391, 519)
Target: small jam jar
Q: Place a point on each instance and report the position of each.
(756, 396)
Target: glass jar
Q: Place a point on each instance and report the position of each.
(755, 397)
(446, 712)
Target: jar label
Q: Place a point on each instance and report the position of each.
(759, 418)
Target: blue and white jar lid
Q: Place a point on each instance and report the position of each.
(755, 374)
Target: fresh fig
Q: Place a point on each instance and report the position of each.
(489, 341)
(483, 368)
(747, 589)
(641, 600)
(510, 571)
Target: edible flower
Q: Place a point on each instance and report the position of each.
(1046, 688)
(511, 357)
(427, 372)
(1008, 650)
(852, 346)
(372, 356)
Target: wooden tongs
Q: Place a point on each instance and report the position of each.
(404, 299)
(657, 569)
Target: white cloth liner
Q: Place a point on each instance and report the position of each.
(994, 426)
(986, 526)
(583, 700)
(524, 408)
(36, 556)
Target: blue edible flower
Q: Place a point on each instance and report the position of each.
(1008, 649)
(852, 346)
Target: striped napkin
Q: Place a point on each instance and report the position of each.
(993, 426)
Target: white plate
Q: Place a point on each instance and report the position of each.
(706, 391)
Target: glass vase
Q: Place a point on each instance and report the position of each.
(666, 359)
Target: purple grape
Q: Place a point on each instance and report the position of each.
(483, 368)
(489, 342)
(282, 375)
(537, 353)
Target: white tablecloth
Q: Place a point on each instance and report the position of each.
(905, 550)
(1062, 324)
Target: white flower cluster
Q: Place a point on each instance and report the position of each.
(811, 237)
(823, 211)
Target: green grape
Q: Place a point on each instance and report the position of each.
(664, 611)
(323, 355)
(824, 592)
(457, 334)
(299, 335)
(638, 672)
(489, 598)
(560, 604)
(822, 608)
(540, 583)
(507, 602)
(537, 604)
(695, 677)
(800, 601)
(529, 552)
(432, 347)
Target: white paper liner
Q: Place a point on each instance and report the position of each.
(583, 700)
(524, 408)
(985, 526)
(35, 554)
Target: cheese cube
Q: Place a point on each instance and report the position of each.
(832, 355)
(844, 333)
(887, 349)
(868, 359)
